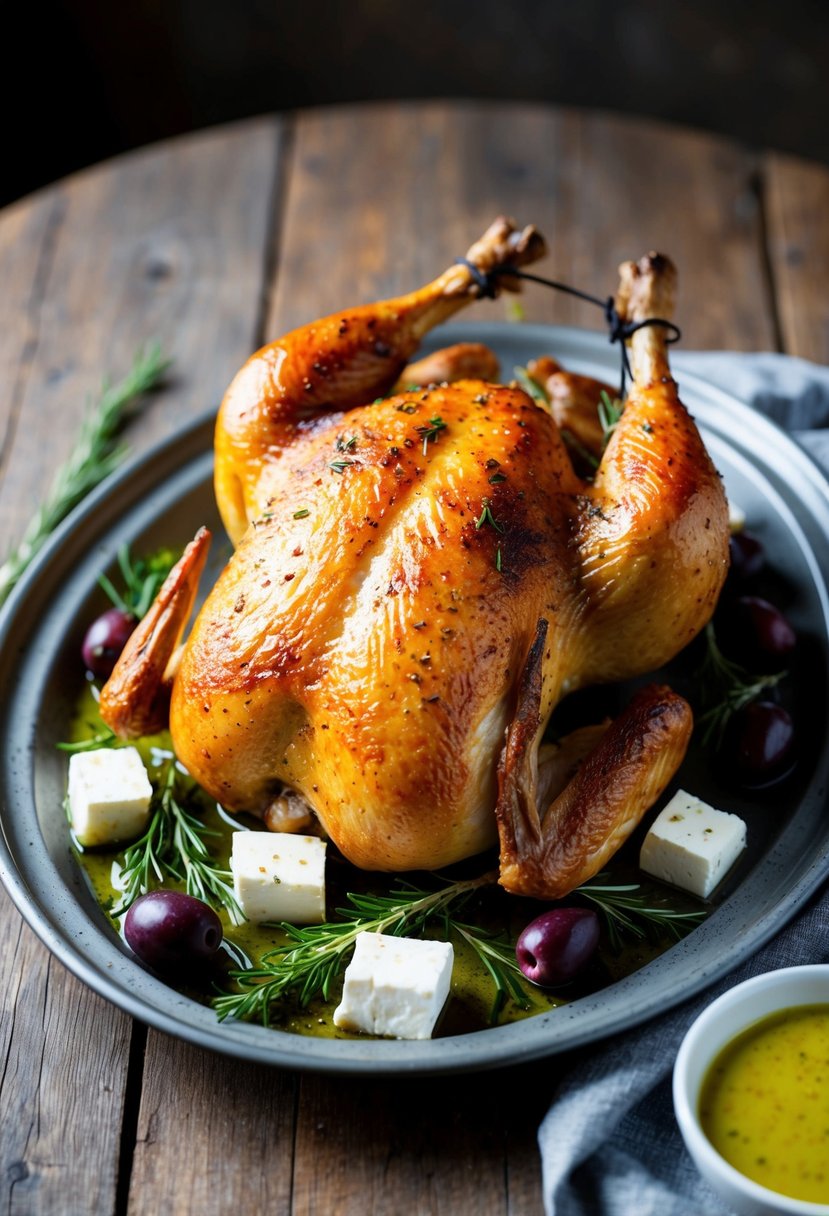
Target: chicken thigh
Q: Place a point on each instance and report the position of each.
(420, 577)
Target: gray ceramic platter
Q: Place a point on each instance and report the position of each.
(162, 499)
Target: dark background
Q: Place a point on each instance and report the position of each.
(85, 79)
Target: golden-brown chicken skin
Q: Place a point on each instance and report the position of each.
(421, 577)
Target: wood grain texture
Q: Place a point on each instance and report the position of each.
(25, 254)
(798, 203)
(163, 245)
(214, 1135)
(629, 187)
(64, 1057)
(381, 199)
(439, 1146)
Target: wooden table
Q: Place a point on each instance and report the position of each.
(215, 243)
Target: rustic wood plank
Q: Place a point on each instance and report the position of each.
(170, 244)
(64, 1060)
(214, 1135)
(382, 198)
(26, 247)
(165, 244)
(797, 195)
(439, 1145)
(634, 185)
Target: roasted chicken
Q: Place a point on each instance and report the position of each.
(421, 576)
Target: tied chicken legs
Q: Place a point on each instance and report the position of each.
(421, 575)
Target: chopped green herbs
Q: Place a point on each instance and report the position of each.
(431, 431)
(486, 517)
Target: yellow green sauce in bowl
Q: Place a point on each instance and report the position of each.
(751, 1093)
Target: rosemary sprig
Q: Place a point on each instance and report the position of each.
(142, 580)
(174, 846)
(499, 959)
(610, 411)
(725, 688)
(104, 738)
(95, 455)
(530, 387)
(315, 955)
(591, 461)
(339, 465)
(627, 910)
(431, 431)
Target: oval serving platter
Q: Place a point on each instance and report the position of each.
(161, 499)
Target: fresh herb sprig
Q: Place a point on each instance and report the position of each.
(103, 738)
(725, 688)
(96, 454)
(314, 956)
(143, 577)
(531, 388)
(627, 910)
(174, 846)
(499, 959)
(610, 410)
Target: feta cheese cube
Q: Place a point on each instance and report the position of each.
(692, 845)
(279, 876)
(109, 795)
(395, 987)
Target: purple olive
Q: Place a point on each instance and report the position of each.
(747, 556)
(557, 945)
(168, 930)
(756, 634)
(759, 743)
(105, 638)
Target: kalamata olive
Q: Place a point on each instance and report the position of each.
(747, 556)
(557, 945)
(170, 930)
(105, 638)
(755, 634)
(759, 743)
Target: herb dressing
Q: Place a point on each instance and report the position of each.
(764, 1103)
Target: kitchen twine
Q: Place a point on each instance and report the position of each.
(618, 329)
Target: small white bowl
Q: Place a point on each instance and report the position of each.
(715, 1027)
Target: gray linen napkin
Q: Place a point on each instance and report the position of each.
(610, 1145)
